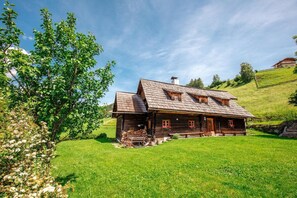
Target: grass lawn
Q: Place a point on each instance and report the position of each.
(108, 126)
(257, 165)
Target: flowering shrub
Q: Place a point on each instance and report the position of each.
(25, 155)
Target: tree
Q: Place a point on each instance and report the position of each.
(57, 81)
(293, 99)
(197, 83)
(246, 72)
(215, 81)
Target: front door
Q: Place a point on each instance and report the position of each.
(210, 125)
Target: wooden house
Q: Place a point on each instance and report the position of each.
(287, 62)
(166, 108)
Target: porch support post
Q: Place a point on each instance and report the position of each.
(155, 120)
(123, 123)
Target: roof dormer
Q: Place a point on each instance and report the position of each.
(223, 101)
(200, 98)
(173, 94)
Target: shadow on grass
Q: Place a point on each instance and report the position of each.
(68, 178)
(274, 137)
(106, 140)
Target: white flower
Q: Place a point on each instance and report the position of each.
(49, 189)
(11, 141)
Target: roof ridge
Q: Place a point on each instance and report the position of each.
(125, 92)
(185, 86)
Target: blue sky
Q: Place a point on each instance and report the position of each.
(158, 39)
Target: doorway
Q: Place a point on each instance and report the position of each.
(210, 125)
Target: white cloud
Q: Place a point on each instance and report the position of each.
(27, 38)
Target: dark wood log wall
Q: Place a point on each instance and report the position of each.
(179, 123)
(238, 123)
(119, 127)
(132, 121)
(127, 122)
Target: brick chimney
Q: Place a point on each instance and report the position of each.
(174, 80)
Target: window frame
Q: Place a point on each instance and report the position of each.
(191, 124)
(231, 124)
(166, 124)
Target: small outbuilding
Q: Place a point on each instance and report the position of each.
(287, 62)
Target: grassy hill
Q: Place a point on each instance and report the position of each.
(268, 101)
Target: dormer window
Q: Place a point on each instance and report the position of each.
(199, 98)
(174, 95)
(224, 102)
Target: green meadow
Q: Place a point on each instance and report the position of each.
(268, 102)
(257, 165)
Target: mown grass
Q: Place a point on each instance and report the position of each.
(269, 104)
(273, 77)
(108, 126)
(258, 165)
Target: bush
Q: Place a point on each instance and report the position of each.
(295, 70)
(237, 78)
(25, 155)
(102, 136)
(175, 136)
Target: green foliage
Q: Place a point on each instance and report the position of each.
(57, 80)
(25, 155)
(295, 38)
(192, 167)
(9, 38)
(197, 83)
(293, 98)
(215, 81)
(246, 72)
(237, 78)
(175, 136)
(295, 70)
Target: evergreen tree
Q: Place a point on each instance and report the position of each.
(197, 83)
(215, 81)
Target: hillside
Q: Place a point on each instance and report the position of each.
(268, 102)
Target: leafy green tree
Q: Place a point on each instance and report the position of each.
(215, 81)
(293, 99)
(197, 83)
(57, 80)
(246, 72)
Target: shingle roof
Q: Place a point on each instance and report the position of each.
(129, 102)
(157, 99)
